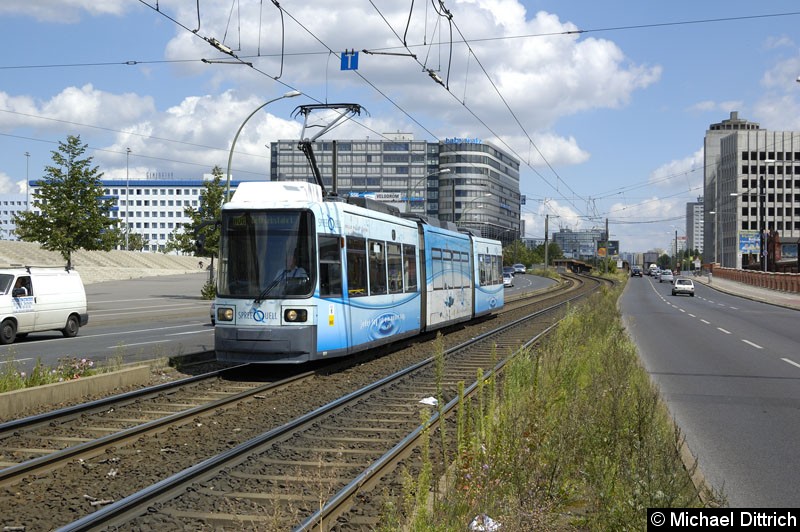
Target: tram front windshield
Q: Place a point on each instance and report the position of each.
(266, 255)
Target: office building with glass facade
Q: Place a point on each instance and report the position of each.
(465, 181)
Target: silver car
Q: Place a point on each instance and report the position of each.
(683, 286)
(665, 275)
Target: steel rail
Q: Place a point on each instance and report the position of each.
(131, 506)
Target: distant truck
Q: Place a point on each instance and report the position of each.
(649, 258)
(40, 299)
(652, 269)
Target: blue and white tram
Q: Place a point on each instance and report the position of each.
(302, 279)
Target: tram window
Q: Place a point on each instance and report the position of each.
(394, 261)
(484, 269)
(410, 267)
(356, 266)
(438, 269)
(448, 268)
(377, 267)
(330, 266)
(495, 268)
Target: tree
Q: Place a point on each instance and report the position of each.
(73, 212)
(136, 242)
(183, 238)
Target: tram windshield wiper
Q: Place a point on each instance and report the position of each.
(267, 290)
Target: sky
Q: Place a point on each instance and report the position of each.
(605, 104)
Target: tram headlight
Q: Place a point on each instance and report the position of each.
(295, 315)
(224, 314)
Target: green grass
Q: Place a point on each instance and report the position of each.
(574, 436)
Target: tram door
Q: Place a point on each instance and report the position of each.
(333, 318)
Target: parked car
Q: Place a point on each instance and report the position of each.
(666, 275)
(519, 268)
(508, 279)
(683, 286)
(508, 269)
(636, 271)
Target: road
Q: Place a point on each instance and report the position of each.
(527, 283)
(130, 320)
(729, 371)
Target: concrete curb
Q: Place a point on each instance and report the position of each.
(11, 403)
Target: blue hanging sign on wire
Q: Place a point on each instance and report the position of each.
(349, 60)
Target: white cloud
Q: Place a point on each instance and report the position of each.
(7, 184)
(62, 11)
(686, 173)
(560, 216)
(541, 78)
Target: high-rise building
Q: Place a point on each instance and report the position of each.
(466, 181)
(694, 225)
(579, 245)
(752, 185)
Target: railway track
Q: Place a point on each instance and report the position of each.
(108, 459)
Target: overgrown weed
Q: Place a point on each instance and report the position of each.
(68, 368)
(573, 436)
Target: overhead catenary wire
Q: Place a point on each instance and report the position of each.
(615, 28)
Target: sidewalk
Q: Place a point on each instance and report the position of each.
(765, 295)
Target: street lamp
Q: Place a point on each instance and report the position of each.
(411, 189)
(27, 183)
(467, 206)
(290, 94)
(127, 196)
(453, 194)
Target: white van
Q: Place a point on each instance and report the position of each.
(40, 299)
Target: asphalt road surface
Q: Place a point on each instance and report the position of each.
(130, 320)
(729, 371)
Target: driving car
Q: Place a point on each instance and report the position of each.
(508, 269)
(666, 275)
(213, 317)
(683, 286)
(636, 271)
(508, 279)
(519, 268)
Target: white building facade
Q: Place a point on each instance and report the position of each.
(752, 185)
(11, 204)
(152, 208)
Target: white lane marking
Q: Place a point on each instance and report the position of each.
(734, 308)
(140, 343)
(706, 322)
(138, 310)
(723, 330)
(792, 362)
(126, 313)
(190, 332)
(15, 360)
(682, 310)
(100, 335)
(692, 315)
(748, 342)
